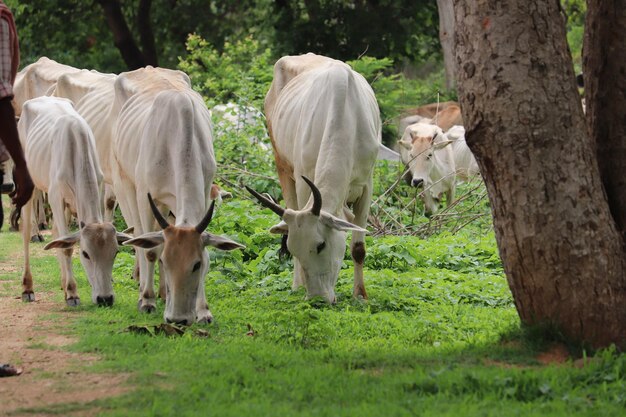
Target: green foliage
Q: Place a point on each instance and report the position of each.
(72, 32)
(575, 11)
(396, 93)
(396, 29)
(433, 339)
(241, 72)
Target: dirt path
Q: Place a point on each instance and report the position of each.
(52, 376)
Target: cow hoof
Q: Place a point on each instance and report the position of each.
(205, 318)
(73, 302)
(28, 296)
(144, 307)
(36, 239)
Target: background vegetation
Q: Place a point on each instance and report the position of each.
(439, 333)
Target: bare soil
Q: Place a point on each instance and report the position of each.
(36, 342)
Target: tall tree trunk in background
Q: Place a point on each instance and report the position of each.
(146, 34)
(562, 252)
(122, 37)
(446, 38)
(605, 94)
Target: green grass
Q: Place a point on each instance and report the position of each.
(439, 336)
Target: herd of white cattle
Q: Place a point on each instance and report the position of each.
(144, 138)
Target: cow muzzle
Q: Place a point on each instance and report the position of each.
(417, 182)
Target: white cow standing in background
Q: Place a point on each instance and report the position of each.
(325, 128)
(93, 95)
(425, 151)
(60, 152)
(464, 162)
(163, 156)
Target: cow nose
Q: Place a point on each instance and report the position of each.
(417, 182)
(182, 322)
(106, 301)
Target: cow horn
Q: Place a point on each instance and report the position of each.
(317, 197)
(207, 219)
(266, 202)
(157, 214)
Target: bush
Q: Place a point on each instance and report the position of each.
(241, 73)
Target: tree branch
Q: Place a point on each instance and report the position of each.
(122, 38)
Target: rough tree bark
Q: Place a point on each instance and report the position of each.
(562, 252)
(604, 70)
(446, 38)
(123, 38)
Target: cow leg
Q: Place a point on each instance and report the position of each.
(288, 186)
(203, 315)
(36, 209)
(450, 194)
(60, 228)
(28, 294)
(357, 246)
(162, 282)
(147, 295)
(109, 203)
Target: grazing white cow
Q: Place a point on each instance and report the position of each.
(324, 124)
(163, 148)
(36, 80)
(426, 152)
(93, 95)
(464, 162)
(60, 152)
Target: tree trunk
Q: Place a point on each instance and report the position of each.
(562, 253)
(122, 37)
(605, 94)
(146, 34)
(446, 38)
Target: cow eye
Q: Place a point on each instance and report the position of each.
(196, 266)
(321, 247)
(429, 155)
(86, 255)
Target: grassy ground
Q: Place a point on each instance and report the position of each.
(438, 337)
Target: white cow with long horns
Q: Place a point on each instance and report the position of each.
(325, 128)
(163, 160)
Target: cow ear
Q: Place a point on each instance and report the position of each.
(280, 229)
(339, 224)
(220, 242)
(122, 237)
(441, 145)
(405, 145)
(64, 242)
(147, 240)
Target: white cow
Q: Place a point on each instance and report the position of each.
(93, 95)
(36, 80)
(60, 152)
(163, 148)
(324, 124)
(426, 152)
(464, 162)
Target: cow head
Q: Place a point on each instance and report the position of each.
(98, 248)
(316, 239)
(419, 149)
(185, 261)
